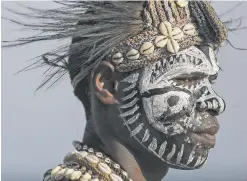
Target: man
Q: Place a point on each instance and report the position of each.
(143, 71)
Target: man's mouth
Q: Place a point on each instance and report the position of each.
(203, 138)
(205, 132)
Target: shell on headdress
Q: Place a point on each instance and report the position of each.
(133, 54)
(189, 29)
(172, 46)
(117, 58)
(160, 41)
(147, 48)
(182, 3)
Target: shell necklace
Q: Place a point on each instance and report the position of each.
(86, 164)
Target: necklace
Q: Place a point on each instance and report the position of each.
(86, 164)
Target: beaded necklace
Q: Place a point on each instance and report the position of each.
(87, 164)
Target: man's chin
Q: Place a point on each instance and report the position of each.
(194, 159)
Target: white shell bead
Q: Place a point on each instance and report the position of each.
(75, 175)
(107, 160)
(98, 154)
(177, 34)
(60, 174)
(90, 150)
(104, 168)
(160, 41)
(83, 154)
(125, 173)
(182, 3)
(94, 179)
(55, 170)
(133, 54)
(189, 29)
(147, 48)
(86, 176)
(47, 178)
(92, 159)
(115, 177)
(117, 166)
(68, 173)
(117, 58)
(82, 179)
(172, 46)
(165, 28)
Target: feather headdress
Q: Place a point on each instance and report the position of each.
(113, 30)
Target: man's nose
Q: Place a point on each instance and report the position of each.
(210, 101)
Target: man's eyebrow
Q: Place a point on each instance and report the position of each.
(158, 91)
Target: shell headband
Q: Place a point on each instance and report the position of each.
(169, 27)
(172, 26)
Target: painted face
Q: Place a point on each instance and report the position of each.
(170, 106)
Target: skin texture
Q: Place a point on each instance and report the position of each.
(158, 117)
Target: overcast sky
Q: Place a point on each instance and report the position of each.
(38, 128)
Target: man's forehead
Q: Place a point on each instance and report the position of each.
(191, 60)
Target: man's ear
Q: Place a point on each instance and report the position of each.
(104, 84)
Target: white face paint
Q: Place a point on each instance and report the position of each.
(168, 113)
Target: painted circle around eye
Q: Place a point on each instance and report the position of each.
(172, 100)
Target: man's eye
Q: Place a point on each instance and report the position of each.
(191, 79)
(212, 78)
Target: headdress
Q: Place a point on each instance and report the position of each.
(130, 34)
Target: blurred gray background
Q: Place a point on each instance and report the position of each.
(38, 128)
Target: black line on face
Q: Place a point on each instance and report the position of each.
(158, 91)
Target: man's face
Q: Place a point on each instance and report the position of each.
(169, 107)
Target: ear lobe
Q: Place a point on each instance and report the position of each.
(105, 86)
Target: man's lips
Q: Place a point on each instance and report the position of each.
(204, 133)
(203, 138)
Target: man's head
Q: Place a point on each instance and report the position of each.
(168, 107)
(153, 91)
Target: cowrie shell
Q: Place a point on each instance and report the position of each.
(104, 168)
(182, 3)
(90, 150)
(60, 174)
(47, 178)
(189, 29)
(117, 166)
(75, 175)
(117, 58)
(160, 41)
(55, 170)
(98, 154)
(147, 48)
(115, 177)
(86, 176)
(125, 173)
(177, 33)
(172, 46)
(165, 28)
(68, 173)
(92, 159)
(133, 54)
(82, 154)
(94, 179)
